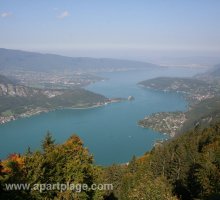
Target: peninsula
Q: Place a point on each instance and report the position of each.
(19, 101)
(203, 97)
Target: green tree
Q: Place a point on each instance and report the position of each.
(48, 142)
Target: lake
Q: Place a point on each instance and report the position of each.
(110, 132)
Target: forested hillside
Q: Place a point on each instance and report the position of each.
(189, 166)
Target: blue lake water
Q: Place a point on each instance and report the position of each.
(110, 132)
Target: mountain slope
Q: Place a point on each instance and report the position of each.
(215, 71)
(5, 80)
(211, 76)
(195, 90)
(19, 101)
(16, 59)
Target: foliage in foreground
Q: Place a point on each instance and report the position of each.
(68, 162)
(187, 167)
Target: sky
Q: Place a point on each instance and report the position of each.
(112, 28)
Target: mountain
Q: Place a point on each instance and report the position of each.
(20, 101)
(10, 88)
(188, 61)
(215, 71)
(5, 80)
(211, 76)
(202, 114)
(22, 60)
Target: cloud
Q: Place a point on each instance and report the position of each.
(63, 14)
(6, 14)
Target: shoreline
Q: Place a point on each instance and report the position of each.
(23, 115)
(171, 132)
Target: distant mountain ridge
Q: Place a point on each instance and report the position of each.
(17, 59)
(212, 75)
(215, 71)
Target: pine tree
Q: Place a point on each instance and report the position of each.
(48, 142)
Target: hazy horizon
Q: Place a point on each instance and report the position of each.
(152, 31)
